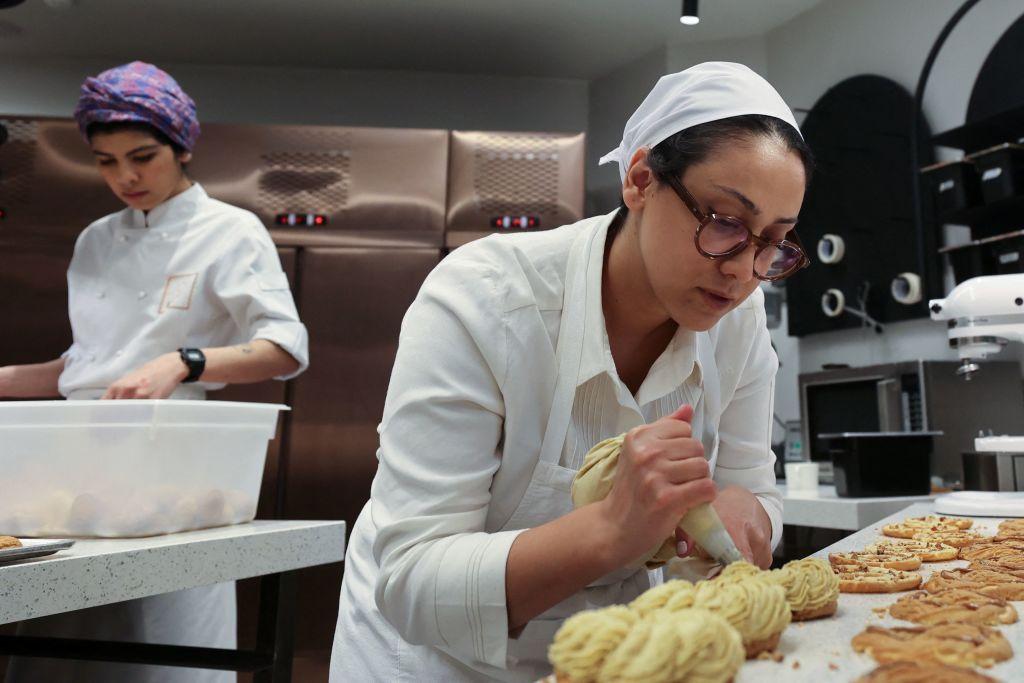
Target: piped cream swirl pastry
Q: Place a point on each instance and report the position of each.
(739, 571)
(688, 646)
(617, 645)
(812, 588)
(585, 639)
(671, 595)
(757, 608)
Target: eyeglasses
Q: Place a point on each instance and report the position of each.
(720, 236)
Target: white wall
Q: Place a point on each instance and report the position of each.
(840, 39)
(751, 51)
(613, 98)
(324, 96)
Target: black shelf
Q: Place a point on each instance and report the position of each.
(1007, 126)
(1010, 210)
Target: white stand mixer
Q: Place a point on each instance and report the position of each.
(984, 314)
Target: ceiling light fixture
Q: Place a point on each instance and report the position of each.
(689, 16)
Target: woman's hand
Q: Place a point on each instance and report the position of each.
(747, 522)
(661, 475)
(156, 379)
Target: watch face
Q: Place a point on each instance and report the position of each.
(194, 355)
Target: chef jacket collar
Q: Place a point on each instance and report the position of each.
(170, 214)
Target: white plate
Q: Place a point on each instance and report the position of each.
(34, 547)
(981, 503)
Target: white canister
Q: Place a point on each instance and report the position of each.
(802, 477)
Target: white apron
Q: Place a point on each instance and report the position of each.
(364, 637)
(203, 616)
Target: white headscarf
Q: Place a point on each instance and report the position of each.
(705, 92)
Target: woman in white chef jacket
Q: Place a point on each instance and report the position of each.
(522, 352)
(173, 296)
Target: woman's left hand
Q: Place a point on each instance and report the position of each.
(156, 379)
(745, 520)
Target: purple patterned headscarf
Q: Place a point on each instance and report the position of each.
(139, 92)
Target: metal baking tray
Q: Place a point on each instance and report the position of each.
(34, 547)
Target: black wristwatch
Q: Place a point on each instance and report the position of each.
(195, 361)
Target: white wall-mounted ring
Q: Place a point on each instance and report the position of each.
(833, 302)
(906, 288)
(831, 249)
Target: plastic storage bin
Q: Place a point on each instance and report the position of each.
(954, 185)
(1001, 169)
(866, 464)
(130, 468)
(1008, 252)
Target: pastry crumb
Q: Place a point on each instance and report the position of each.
(833, 666)
(774, 656)
(796, 665)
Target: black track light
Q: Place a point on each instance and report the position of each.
(689, 15)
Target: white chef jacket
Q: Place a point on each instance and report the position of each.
(466, 412)
(193, 272)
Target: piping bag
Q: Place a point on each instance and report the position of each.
(595, 480)
(705, 527)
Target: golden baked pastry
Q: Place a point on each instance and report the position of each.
(889, 558)
(953, 606)
(861, 579)
(954, 537)
(9, 542)
(812, 588)
(689, 646)
(617, 645)
(908, 529)
(923, 672)
(672, 595)
(928, 551)
(954, 644)
(933, 520)
(1012, 527)
(594, 482)
(757, 608)
(991, 549)
(1011, 565)
(990, 582)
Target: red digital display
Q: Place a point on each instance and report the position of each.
(300, 220)
(515, 222)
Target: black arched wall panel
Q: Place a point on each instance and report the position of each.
(1000, 82)
(860, 134)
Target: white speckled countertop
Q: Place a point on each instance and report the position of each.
(823, 508)
(821, 649)
(101, 571)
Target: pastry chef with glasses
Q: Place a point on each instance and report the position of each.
(523, 351)
(175, 295)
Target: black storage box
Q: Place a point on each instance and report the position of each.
(1007, 252)
(954, 185)
(867, 464)
(1001, 170)
(969, 260)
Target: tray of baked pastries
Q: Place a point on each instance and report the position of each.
(923, 599)
(12, 548)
